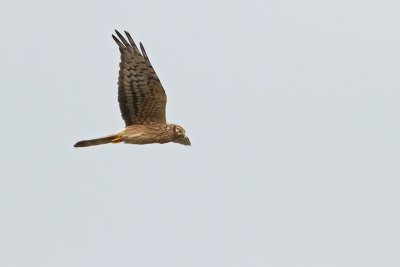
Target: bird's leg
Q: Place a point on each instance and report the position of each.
(115, 140)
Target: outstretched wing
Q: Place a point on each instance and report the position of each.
(141, 97)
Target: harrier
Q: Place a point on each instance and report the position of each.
(142, 102)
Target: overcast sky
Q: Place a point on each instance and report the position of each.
(292, 108)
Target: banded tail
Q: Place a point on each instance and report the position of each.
(99, 141)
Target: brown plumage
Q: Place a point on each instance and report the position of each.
(142, 101)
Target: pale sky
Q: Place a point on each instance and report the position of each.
(292, 108)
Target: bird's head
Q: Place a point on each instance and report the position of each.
(179, 135)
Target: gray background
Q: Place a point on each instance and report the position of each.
(292, 108)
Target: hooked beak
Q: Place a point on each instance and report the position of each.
(184, 140)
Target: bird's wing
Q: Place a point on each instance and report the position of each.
(141, 97)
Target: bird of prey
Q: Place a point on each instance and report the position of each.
(142, 102)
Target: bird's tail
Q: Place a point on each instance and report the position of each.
(99, 141)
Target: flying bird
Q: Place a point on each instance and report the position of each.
(142, 101)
